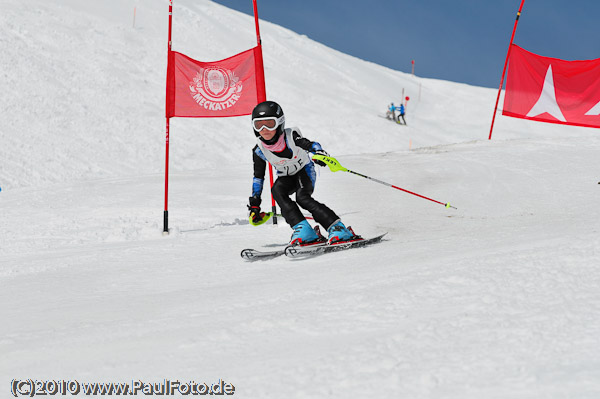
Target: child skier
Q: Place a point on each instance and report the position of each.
(288, 152)
(391, 112)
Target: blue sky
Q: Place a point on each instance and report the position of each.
(461, 40)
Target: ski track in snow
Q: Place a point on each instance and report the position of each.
(497, 299)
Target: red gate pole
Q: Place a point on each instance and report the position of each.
(166, 211)
(505, 64)
(262, 94)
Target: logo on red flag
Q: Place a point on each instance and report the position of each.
(228, 87)
(552, 90)
(216, 88)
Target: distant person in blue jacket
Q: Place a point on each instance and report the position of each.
(401, 109)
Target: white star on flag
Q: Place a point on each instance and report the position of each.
(547, 101)
(595, 110)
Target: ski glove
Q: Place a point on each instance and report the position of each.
(254, 208)
(320, 152)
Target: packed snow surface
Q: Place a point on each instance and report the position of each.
(497, 299)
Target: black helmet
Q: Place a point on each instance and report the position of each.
(269, 115)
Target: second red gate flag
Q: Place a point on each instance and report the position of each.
(552, 90)
(230, 87)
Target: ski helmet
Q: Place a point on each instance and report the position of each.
(268, 115)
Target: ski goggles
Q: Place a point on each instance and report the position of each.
(269, 123)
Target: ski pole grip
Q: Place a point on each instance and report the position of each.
(333, 163)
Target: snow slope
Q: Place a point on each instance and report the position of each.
(498, 299)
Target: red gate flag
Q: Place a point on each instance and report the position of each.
(230, 87)
(552, 90)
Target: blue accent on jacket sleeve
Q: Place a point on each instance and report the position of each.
(260, 154)
(311, 172)
(316, 147)
(257, 187)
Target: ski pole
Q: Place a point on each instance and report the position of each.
(335, 166)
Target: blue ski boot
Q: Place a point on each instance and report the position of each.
(339, 232)
(304, 234)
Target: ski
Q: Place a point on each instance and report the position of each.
(296, 251)
(252, 255)
(301, 252)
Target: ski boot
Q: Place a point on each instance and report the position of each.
(306, 235)
(338, 233)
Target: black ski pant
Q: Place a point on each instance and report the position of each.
(301, 184)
